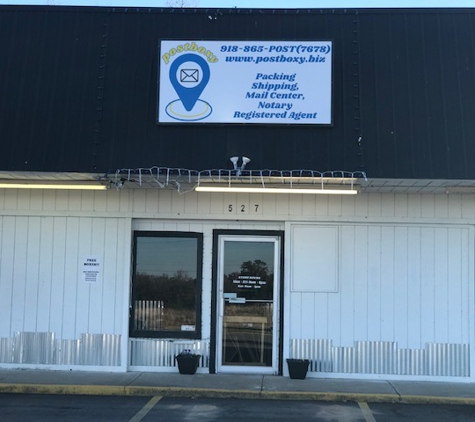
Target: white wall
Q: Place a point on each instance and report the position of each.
(151, 203)
(40, 275)
(404, 283)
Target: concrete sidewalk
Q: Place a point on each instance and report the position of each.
(233, 386)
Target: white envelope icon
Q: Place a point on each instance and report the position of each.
(189, 75)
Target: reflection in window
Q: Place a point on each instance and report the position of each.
(166, 285)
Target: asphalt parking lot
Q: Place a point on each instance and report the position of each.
(79, 408)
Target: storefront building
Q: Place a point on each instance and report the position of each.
(355, 250)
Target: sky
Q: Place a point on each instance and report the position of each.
(274, 4)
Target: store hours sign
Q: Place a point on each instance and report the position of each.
(284, 82)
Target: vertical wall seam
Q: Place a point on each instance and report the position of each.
(357, 92)
(100, 91)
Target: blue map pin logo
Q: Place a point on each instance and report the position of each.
(189, 95)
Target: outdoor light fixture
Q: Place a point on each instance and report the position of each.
(245, 160)
(297, 190)
(460, 189)
(235, 160)
(303, 182)
(30, 184)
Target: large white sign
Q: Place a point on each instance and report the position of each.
(283, 82)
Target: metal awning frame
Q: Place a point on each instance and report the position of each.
(184, 180)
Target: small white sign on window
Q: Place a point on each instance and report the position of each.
(237, 300)
(91, 269)
(188, 328)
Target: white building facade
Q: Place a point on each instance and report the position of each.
(376, 285)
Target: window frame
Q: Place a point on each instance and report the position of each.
(196, 334)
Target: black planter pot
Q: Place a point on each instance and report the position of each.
(298, 368)
(188, 364)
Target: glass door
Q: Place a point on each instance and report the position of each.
(247, 304)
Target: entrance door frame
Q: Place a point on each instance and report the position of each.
(215, 286)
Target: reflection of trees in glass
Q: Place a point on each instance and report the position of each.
(176, 291)
(176, 296)
(257, 269)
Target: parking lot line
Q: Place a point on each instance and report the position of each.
(366, 412)
(147, 408)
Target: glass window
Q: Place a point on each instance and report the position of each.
(166, 285)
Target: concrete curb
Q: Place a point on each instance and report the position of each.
(108, 390)
(99, 390)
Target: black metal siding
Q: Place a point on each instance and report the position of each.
(79, 91)
(48, 76)
(418, 93)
